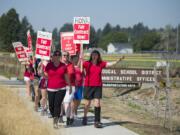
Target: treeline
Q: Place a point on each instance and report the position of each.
(141, 37)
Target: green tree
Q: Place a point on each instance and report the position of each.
(24, 27)
(113, 37)
(117, 28)
(139, 30)
(168, 39)
(56, 38)
(93, 38)
(9, 29)
(67, 27)
(43, 29)
(107, 29)
(148, 42)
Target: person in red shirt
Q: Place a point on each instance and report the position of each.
(93, 85)
(67, 102)
(56, 72)
(78, 83)
(43, 86)
(27, 75)
(28, 78)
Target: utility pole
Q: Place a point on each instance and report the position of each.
(156, 94)
(168, 110)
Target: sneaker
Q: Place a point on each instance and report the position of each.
(71, 121)
(49, 115)
(68, 122)
(61, 119)
(84, 121)
(43, 112)
(98, 125)
(35, 108)
(55, 122)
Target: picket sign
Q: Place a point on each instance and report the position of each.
(28, 51)
(67, 42)
(20, 52)
(43, 45)
(29, 41)
(81, 29)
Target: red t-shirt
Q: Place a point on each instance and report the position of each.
(32, 76)
(93, 73)
(27, 73)
(31, 63)
(78, 77)
(71, 73)
(56, 79)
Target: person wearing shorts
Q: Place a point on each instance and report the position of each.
(78, 83)
(56, 73)
(93, 85)
(43, 86)
(68, 99)
(28, 76)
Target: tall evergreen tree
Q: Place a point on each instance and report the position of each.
(93, 38)
(67, 27)
(56, 38)
(24, 27)
(107, 29)
(9, 29)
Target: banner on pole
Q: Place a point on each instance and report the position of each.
(67, 43)
(27, 51)
(29, 40)
(43, 45)
(20, 52)
(81, 28)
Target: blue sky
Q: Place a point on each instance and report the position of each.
(54, 13)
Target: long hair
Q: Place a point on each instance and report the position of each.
(99, 56)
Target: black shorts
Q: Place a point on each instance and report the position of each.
(92, 92)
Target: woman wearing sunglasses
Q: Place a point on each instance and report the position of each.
(56, 72)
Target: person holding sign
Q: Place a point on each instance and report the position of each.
(56, 72)
(93, 85)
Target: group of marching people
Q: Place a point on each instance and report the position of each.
(63, 82)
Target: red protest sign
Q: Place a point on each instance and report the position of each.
(78, 48)
(29, 40)
(67, 43)
(81, 28)
(27, 51)
(20, 52)
(43, 45)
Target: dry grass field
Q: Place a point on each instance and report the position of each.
(135, 111)
(17, 119)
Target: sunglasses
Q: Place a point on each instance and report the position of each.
(65, 55)
(57, 54)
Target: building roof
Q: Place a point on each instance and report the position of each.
(120, 46)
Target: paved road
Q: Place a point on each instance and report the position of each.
(109, 128)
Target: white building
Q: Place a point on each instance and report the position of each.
(120, 48)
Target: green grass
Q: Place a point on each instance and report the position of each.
(137, 60)
(134, 106)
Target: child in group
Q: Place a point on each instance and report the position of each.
(43, 86)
